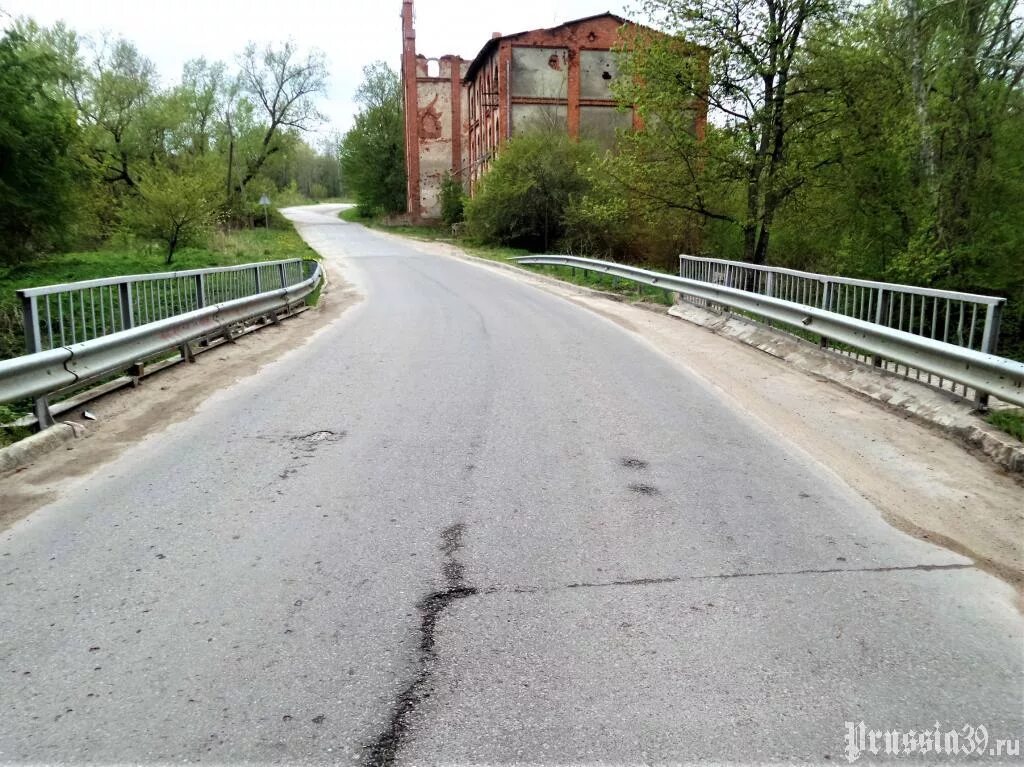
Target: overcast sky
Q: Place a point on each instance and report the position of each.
(351, 32)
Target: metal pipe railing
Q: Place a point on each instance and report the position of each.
(962, 319)
(981, 371)
(70, 313)
(133, 317)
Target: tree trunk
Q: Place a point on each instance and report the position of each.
(231, 167)
(172, 245)
(920, 87)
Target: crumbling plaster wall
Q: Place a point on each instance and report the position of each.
(439, 128)
(553, 79)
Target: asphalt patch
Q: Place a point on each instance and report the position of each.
(635, 463)
(642, 489)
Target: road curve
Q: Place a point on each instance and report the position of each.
(471, 522)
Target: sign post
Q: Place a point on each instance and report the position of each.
(265, 202)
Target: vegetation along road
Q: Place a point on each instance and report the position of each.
(469, 521)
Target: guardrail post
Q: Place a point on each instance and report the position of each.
(769, 290)
(124, 294)
(826, 299)
(200, 291)
(33, 344)
(989, 343)
(30, 322)
(876, 359)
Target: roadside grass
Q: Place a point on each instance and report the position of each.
(11, 434)
(352, 216)
(502, 254)
(222, 249)
(1010, 421)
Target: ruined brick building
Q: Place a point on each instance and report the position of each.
(459, 112)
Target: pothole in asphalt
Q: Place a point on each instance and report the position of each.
(320, 436)
(634, 463)
(309, 443)
(641, 489)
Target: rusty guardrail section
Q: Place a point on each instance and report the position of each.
(124, 320)
(986, 373)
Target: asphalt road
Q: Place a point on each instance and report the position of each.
(472, 522)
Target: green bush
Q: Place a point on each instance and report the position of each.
(523, 198)
(453, 200)
(372, 153)
(609, 223)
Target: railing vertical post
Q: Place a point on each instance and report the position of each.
(876, 359)
(124, 295)
(200, 291)
(30, 321)
(283, 267)
(257, 279)
(33, 344)
(989, 343)
(990, 335)
(769, 290)
(826, 300)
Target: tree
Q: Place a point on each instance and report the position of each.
(202, 93)
(284, 87)
(37, 135)
(111, 84)
(965, 68)
(743, 59)
(372, 152)
(174, 205)
(523, 198)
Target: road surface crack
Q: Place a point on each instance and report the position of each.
(385, 748)
(765, 574)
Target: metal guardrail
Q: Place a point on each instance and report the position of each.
(59, 315)
(986, 373)
(962, 319)
(92, 354)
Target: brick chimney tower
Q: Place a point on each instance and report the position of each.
(411, 99)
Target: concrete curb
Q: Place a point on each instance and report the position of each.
(25, 451)
(949, 413)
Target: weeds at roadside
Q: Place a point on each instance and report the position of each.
(1010, 421)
